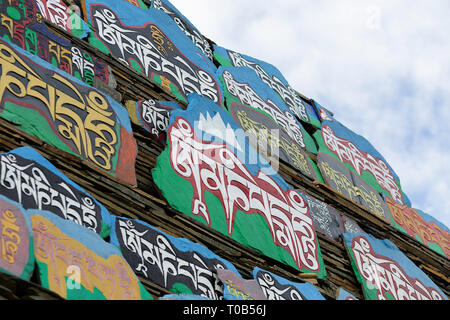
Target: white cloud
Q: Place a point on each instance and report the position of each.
(381, 66)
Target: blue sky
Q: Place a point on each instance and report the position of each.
(382, 67)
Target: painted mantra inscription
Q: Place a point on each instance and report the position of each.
(154, 116)
(191, 33)
(410, 220)
(271, 140)
(153, 51)
(82, 117)
(346, 186)
(347, 152)
(152, 255)
(273, 290)
(387, 277)
(10, 236)
(287, 93)
(111, 276)
(15, 236)
(249, 97)
(47, 46)
(35, 187)
(213, 167)
(55, 11)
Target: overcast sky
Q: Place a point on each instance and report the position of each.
(382, 67)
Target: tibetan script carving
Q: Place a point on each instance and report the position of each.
(110, 275)
(154, 116)
(248, 96)
(214, 167)
(344, 181)
(347, 152)
(326, 219)
(30, 33)
(153, 51)
(387, 277)
(155, 256)
(36, 187)
(273, 290)
(80, 117)
(415, 225)
(236, 288)
(286, 92)
(189, 30)
(15, 235)
(265, 134)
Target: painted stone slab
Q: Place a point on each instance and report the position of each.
(272, 77)
(326, 219)
(350, 225)
(270, 139)
(152, 115)
(343, 294)
(22, 24)
(370, 199)
(338, 177)
(360, 157)
(77, 264)
(28, 178)
(207, 172)
(420, 226)
(236, 288)
(243, 86)
(65, 17)
(277, 288)
(385, 273)
(185, 25)
(65, 113)
(16, 242)
(176, 264)
(149, 42)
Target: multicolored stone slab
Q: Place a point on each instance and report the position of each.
(360, 157)
(277, 288)
(16, 243)
(22, 24)
(176, 264)
(385, 273)
(62, 15)
(420, 226)
(243, 86)
(271, 140)
(236, 288)
(271, 76)
(63, 112)
(210, 172)
(185, 25)
(149, 42)
(338, 177)
(28, 178)
(326, 219)
(77, 264)
(138, 3)
(152, 115)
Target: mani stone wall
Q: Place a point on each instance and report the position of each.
(130, 179)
